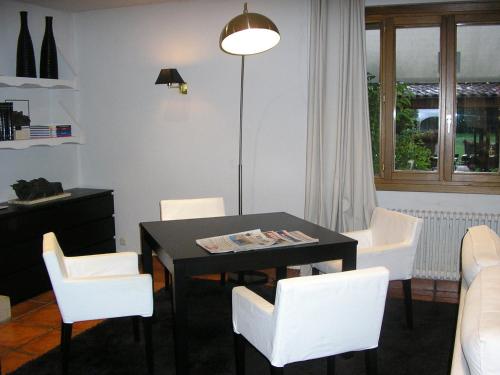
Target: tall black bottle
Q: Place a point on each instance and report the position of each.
(25, 64)
(48, 55)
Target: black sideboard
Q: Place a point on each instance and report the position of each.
(83, 223)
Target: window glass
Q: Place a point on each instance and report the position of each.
(373, 69)
(417, 99)
(477, 122)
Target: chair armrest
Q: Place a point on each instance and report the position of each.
(364, 237)
(124, 263)
(397, 257)
(393, 247)
(105, 297)
(253, 318)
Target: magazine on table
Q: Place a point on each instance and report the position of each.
(254, 239)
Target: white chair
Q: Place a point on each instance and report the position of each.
(98, 287)
(313, 317)
(390, 241)
(179, 209)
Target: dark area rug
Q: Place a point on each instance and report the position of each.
(110, 349)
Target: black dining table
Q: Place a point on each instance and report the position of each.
(174, 243)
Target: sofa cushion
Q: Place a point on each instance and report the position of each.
(480, 336)
(480, 248)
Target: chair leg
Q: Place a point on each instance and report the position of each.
(330, 365)
(168, 280)
(408, 302)
(239, 353)
(223, 279)
(371, 361)
(277, 370)
(66, 329)
(148, 341)
(135, 325)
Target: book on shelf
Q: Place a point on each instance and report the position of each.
(40, 131)
(63, 130)
(254, 239)
(50, 131)
(7, 129)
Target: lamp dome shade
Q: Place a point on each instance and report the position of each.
(248, 34)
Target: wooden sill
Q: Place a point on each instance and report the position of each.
(437, 186)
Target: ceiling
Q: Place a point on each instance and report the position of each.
(84, 5)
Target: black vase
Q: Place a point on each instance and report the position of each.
(48, 55)
(25, 64)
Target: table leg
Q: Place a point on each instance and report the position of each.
(280, 274)
(349, 262)
(180, 310)
(147, 254)
(147, 259)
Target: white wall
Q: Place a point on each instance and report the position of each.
(54, 163)
(149, 143)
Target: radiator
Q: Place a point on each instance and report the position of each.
(438, 251)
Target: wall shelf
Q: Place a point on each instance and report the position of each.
(22, 144)
(36, 83)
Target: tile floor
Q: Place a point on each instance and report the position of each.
(35, 325)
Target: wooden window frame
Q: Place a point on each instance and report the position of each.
(446, 16)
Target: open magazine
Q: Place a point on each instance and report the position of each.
(254, 239)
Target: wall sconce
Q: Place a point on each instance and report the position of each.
(172, 79)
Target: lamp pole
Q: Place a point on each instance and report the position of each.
(240, 164)
(247, 34)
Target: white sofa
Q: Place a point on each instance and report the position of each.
(477, 338)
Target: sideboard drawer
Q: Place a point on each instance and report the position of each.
(52, 219)
(81, 221)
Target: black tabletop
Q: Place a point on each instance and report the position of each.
(177, 237)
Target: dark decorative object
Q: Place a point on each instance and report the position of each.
(37, 188)
(20, 120)
(25, 65)
(48, 55)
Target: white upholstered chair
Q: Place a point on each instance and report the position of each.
(179, 209)
(313, 317)
(98, 287)
(390, 241)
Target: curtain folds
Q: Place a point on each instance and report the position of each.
(340, 191)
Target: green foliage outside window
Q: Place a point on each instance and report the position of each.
(411, 151)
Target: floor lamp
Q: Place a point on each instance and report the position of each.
(247, 34)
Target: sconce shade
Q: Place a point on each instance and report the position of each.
(248, 34)
(169, 77)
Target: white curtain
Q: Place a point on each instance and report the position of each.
(340, 191)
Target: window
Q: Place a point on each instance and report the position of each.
(434, 96)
